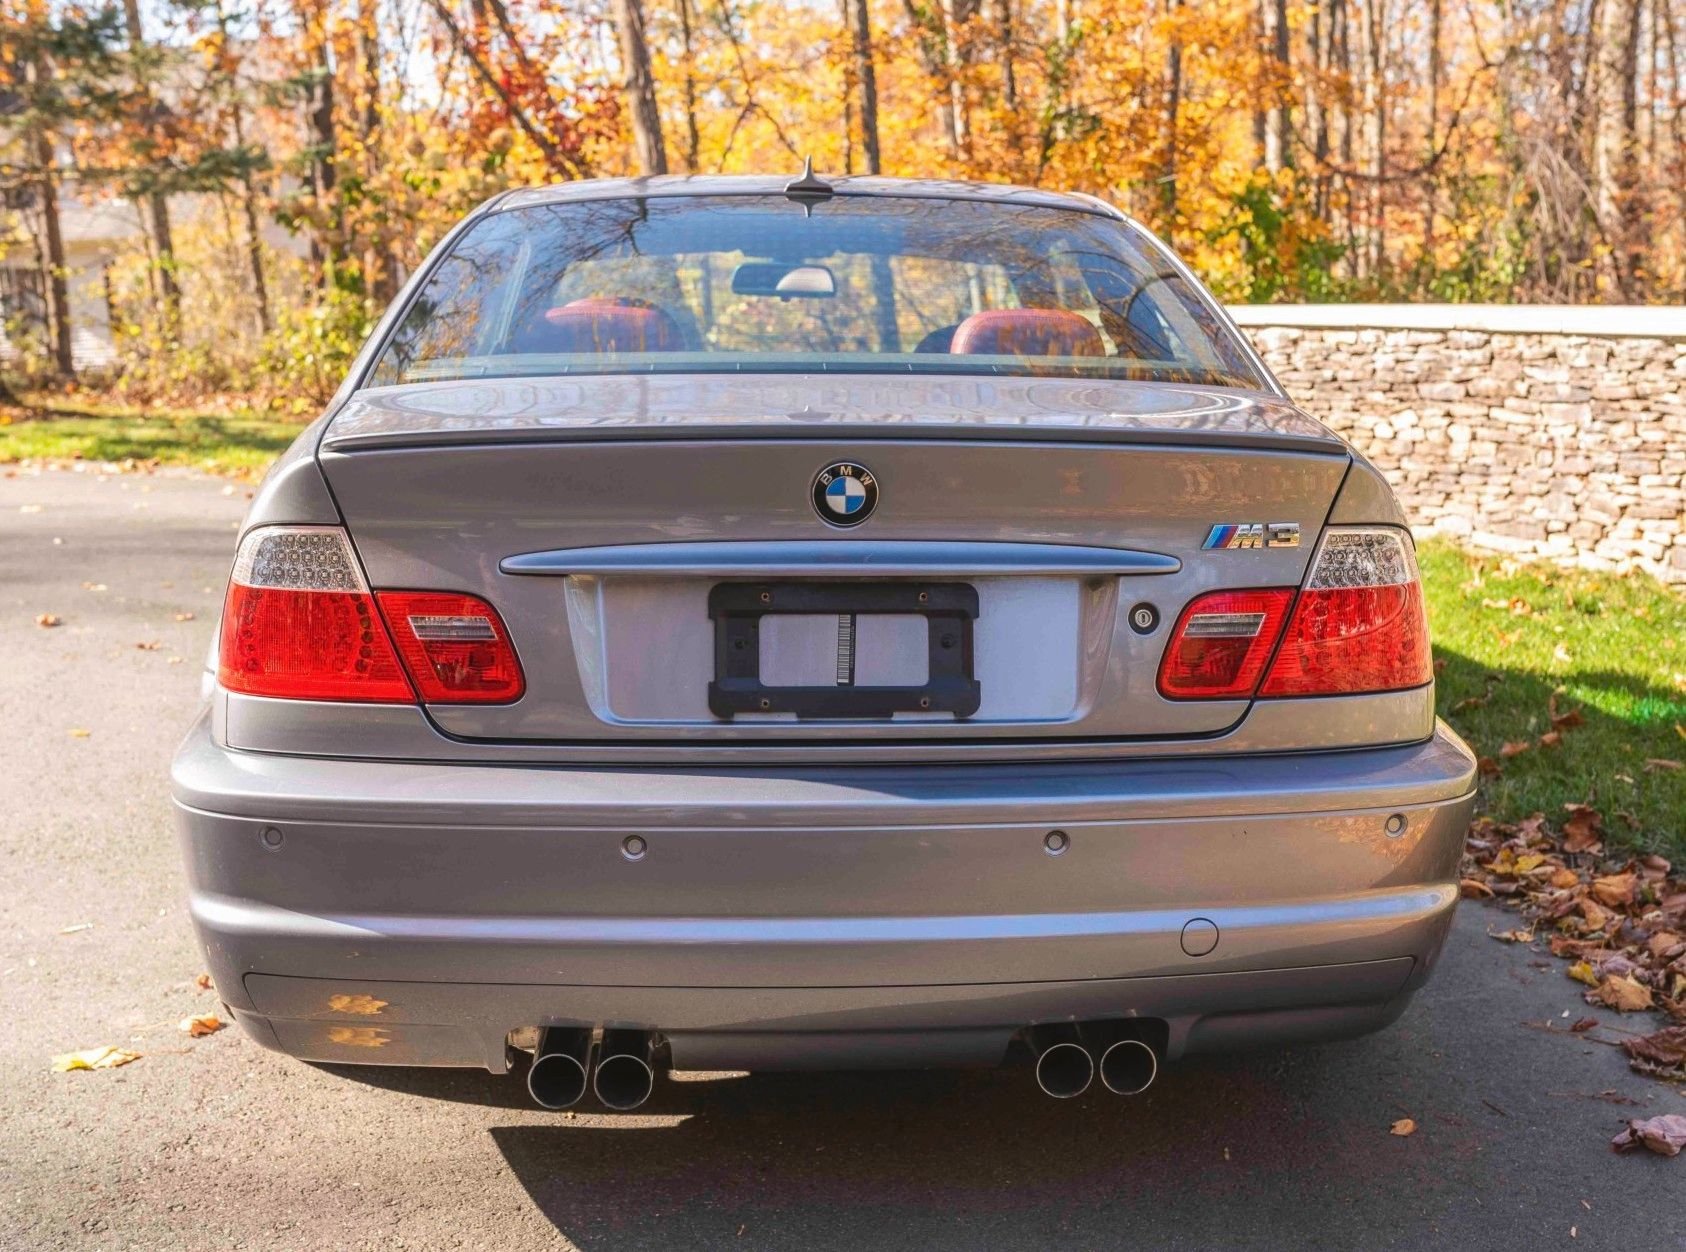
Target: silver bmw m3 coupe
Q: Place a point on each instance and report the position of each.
(743, 623)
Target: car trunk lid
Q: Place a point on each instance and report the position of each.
(601, 515)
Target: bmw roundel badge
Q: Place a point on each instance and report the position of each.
(845, 494)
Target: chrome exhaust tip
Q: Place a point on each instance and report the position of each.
(557, 1077)
(1064, 1068)
(626, 1072)
(1129, 1067)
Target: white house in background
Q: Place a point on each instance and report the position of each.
(95, 232)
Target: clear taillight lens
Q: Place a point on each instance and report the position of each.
(299, 622)
(1358, 624)
(1222, 643)
(454, 646)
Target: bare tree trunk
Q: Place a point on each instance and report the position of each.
(248, 191)
(1173, 112)
(1341, 56)
(58, 290)
(693, 143)
(1317, 106)
(1004, 32)
(954, 12)
(866, 75)
(157, 208)
(640, 87)
(1276, 115)
(1436, 71)
(329, 251)
(1615, 151)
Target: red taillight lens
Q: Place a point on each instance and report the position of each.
(1221, 644)
(454, 646)
(299, 623)
(1359, 624)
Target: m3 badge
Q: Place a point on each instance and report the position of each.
(1230, 535)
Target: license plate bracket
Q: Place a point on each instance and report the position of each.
(949, 610)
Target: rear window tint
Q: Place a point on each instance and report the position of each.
(758, 283)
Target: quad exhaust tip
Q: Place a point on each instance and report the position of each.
(1129, 1067)
(557, 1077)
(1069, 1056)
(626, 1071)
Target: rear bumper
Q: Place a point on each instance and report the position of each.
(407, 913)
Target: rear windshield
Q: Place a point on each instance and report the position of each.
(855, 283)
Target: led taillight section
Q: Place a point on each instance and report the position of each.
(299, 622)
(1222, 643)
(454, 646)
(1359, 623)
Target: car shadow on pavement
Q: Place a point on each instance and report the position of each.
(923, 1159)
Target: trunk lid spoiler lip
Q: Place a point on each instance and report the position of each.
(840, 558)
(679, 407)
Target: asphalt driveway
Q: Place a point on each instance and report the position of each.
(214, 1142)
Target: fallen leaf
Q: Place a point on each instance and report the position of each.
(203, 982)
(1474, 889)
(1655, 763)
(1404, 1126)
(94, 1058)
(75, 927)
(1584, 831)
(184, 617)
(150, 646)
(1581, 971)
(200, 1025)
(1663, 1047)
(1512, 936)
(1583, 1024)
(1563, 878)
(1664, 1134)
(1662, 944)
(1562, 721)
(1487, 767)
(1550, 739)
(1469, 702)
(1514, 748)
(1622, 993)
(93, 587)
(1615, 890)
(78, 732)
(48, 620)
(1562, 655)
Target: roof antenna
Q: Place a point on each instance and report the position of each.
(810, 189)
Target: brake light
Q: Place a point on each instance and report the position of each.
(455, 647)
(1221, 644)
(299, 623)
(1359, 624)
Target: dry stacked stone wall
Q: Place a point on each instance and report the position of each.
(1546, 433)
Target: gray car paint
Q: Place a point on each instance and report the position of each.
(450, 517)
(800, 904)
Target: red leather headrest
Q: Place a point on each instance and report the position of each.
(1027, 332)
(608, 324)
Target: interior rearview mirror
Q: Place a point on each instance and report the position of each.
(775, 278)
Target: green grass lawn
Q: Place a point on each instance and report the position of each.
(243, 445)
(1508, 637)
